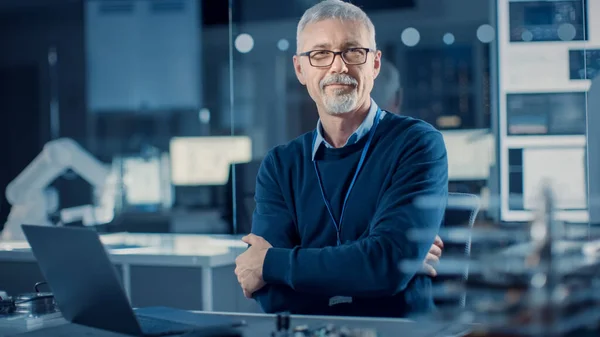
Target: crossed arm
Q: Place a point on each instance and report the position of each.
(278, 273)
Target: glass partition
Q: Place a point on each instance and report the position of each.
(436, 67)
(469, 73)
(154, 117)
(506, 82)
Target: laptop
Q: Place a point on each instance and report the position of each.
(88, 292)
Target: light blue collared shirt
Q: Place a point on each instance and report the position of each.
(363, 129)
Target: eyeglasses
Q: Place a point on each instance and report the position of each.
(324, 58)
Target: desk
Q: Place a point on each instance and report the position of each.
(186, 271)
(261, 325)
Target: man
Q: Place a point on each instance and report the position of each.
(387, 90)
(334, 207)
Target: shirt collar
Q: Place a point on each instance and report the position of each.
(360, 132)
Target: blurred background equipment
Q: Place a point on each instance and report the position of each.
(461, 214)
(538, 280)
(541, 108)
(205, 160)
(34, 203)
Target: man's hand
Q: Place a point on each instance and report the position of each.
(433, 257)
(249, 265)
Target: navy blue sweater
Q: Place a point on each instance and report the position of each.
(305, 268)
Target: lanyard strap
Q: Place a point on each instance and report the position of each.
(363, 155)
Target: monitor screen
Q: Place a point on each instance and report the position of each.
(142, 180)
(563, 169)
(584, 64)
(546, 113)
(470, 154)
(199, 161)
(543, 21)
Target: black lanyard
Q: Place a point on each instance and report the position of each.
(360, 164)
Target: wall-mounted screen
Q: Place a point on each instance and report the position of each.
(546, 113)
(470, 154)
(543, 21)
(562, 168)
(197, 161)
(584, 64)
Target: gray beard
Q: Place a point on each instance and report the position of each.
(340, 102)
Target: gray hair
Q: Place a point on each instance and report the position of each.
(387, 83)
(335, 9)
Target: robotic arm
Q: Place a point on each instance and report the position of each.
(32, 201)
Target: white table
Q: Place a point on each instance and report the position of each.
(205, 252)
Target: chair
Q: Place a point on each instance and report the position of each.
(240, 197)
(461, 212)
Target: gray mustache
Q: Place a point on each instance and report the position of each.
(339, 79)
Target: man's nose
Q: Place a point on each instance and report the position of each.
(338, 65)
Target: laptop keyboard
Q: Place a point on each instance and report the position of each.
(152, 327)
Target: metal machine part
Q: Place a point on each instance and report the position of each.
(536, 279)
(549, 286)
(32, 304)
(35, 304)
(7, 306)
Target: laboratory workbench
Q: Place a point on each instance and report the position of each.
(187, 271)
(262, 325)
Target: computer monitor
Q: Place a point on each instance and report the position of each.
(202, 161)
(470, 154)
(563, 167)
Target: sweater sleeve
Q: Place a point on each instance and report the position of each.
(370, 267)
(273, 221)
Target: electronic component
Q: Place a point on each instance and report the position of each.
(7, 306)
(35, 304)
(283, 325)
(542, 286)
(32, 304)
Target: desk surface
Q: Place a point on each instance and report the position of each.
(153, 249)
(261, 325)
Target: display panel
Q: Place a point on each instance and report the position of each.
(584, 64)
(470, 154)
(141, 179)
(543, 21)
(562, 168)
(205, 160)
(546, 113)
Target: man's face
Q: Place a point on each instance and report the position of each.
(338, 88)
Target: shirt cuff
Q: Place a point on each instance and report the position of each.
(276, 268)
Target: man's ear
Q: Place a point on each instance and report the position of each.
(377, 64)
(298, 69)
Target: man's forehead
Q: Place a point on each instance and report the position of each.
(325, 34)
(346, 43)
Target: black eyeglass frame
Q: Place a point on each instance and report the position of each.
(336, 53)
